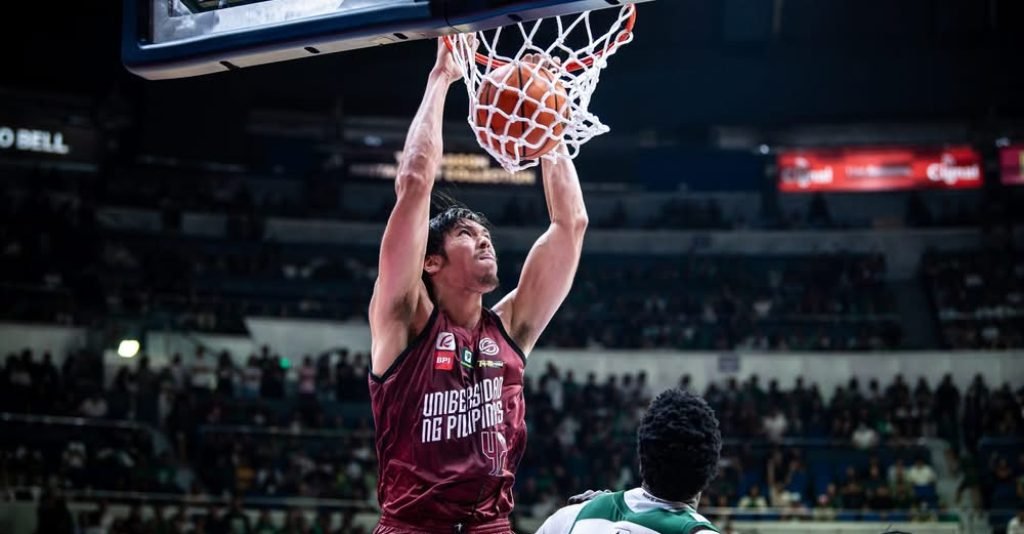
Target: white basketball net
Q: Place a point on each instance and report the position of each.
(578, 71)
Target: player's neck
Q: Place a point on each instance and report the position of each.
(464, 308)
(692, 503)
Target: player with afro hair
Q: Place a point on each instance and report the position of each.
(679, 445)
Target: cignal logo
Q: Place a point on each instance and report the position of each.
(804, 176)
(949, 173)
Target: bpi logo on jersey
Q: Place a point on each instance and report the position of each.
(487, 346)
(444, 355)
(444, 361)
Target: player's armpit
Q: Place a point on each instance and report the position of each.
(550, 266)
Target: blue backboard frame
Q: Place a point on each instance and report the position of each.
(223, 52)
(387, 22)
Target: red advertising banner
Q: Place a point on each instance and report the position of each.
(879, 169)
(1011, 164)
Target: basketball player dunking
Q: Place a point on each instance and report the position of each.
(447, 374)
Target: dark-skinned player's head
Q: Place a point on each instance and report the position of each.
(459, 252)
(679, 445)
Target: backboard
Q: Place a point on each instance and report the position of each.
(165, 39)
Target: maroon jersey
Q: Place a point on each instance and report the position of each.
(449, 416)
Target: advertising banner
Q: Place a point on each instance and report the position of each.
(879, 169)
(43, 140)
(1011, 164)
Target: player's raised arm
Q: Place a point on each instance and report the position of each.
(551, 264)
(399, 294)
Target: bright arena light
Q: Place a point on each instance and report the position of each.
(128, 348)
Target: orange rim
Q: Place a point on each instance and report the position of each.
(573, 66)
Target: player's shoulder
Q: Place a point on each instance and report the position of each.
(395, 338)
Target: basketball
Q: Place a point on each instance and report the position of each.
(518, 111)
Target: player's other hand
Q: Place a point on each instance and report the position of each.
(445, 64)
(586, 496)
(551, 63)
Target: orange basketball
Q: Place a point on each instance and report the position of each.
(533, 119)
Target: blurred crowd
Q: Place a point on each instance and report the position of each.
(61, 266)
(55, 517)
(794, 448)
(978, 297)
(825, 302)
(269, 429)
(822, 302)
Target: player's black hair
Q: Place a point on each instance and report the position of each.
(450, 213)
(679, 444)
(441, 223)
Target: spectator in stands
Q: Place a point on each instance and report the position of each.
(119, 395)
(94, 406)
(235, 520)
(296, 522)
(131, 524)
(879, 496)
(1002, 491)
(753, 500)
(251, 378)
(896, 470)
(854, 497)
(179, 521)
(829, 502)
(226, 375)
(784, 499)
(1016, 524)
(157, 524)
(273, 376)
(324, 381)
(864, 437)
(46, 380)
(902, 492)
(99, 521)
(921, 474)
(307, 378)
(178, 372)
(264, 525)
(202, 376)
(19, 377)
(775, 425)
(146, 392)
(73, 461)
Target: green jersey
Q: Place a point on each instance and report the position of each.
(626, 512)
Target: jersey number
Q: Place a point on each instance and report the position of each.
(495, 449)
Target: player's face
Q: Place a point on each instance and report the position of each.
(471, 261)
